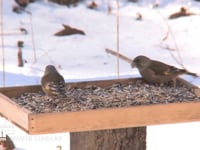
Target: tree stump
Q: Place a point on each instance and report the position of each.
(113, 139)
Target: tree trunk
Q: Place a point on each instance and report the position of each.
(114, 139)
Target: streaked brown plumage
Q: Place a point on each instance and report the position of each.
(53, 84)
(157, 72)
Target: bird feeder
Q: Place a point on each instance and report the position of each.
(93, 120)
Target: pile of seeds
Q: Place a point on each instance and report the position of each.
(94, 97)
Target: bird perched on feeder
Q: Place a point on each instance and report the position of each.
(157, 72)
(53, 84)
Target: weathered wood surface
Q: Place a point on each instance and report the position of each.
(18, 90)
(109, 118)
(114, 118)
(116, 139)
(13, 112)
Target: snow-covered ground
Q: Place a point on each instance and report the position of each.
(80, 57)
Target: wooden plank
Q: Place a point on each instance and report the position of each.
(13, 112)
(123, 57)
(18, 90)
(114, 118)
(103, 83)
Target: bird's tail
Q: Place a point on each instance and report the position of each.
(182, 71)
(191, 73)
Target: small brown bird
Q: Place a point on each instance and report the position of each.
(157, 72)
(53, 84)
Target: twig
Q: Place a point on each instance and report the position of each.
(180, 62)
(170, 32)
(46, 53)
(11, 33)
(117, 38)
(121, 56)
(2, 45)
(167, 47)
(166, 36)
(32, 36)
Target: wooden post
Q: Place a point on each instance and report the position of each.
(19, 54)
(113, 139)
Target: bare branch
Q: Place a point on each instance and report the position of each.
(2, 45)
(170, 32)
(123, 57)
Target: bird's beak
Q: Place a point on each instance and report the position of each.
(133, 65)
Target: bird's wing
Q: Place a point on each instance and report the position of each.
(55, 88)
(55, 83)
(160, 68)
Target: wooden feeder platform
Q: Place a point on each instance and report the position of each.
(96, 119)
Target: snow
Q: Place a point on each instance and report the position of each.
(79, 57)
